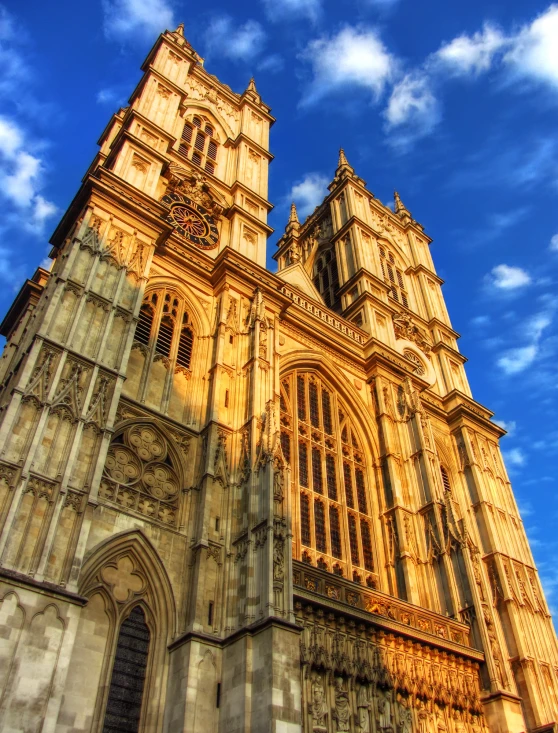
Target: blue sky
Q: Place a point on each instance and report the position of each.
(457, 110)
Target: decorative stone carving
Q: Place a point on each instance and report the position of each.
(363, 706)
(405, 328)
(194, 185)
(384, 712)
(139, 474)
(342, 710)
(318, 706)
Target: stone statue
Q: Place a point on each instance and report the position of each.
(363, 705)
(423, 719)
(278, 559)
(342, 711)
(405, 717)
(384, 712)
(318, 707)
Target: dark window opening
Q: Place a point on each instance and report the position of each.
(125, 696)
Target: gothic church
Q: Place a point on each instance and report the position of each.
(238, 501)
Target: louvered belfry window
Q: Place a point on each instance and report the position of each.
(198, 143)
(333, 527)
(164, 327)
(393, 276)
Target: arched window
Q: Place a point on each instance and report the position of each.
(393, 276)
(326, 279)
(160, 315)
(198, 143)
(334, 529)
(125, 697)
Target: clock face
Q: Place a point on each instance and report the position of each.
(191, 221)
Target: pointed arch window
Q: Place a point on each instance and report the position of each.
(393, 276)
(329, 471)
(125, 697)
(198, 143)
(326, 278)
(165, 328)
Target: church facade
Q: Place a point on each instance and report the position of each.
(239, 501)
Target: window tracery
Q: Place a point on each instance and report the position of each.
(329, 473)
(140, 475)
(393, 276)
(198, 143)
(164, 325)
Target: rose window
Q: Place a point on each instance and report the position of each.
(139, 475)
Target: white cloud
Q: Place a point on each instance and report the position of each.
(554, 243)
(308, 193)
(480, 320)
(515, 457)
(508, 425)
(292, 9)
(356, 56)
(125, 19)
(471, 54)
(534, 52)
(412, 109)
(20, 177)
(517, 360)
(42, 210)
(239, 43)
(505, 277)
(534, 327)
(273, 64)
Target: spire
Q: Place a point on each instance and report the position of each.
(344, 171)
(400, 208)
(293, 218)
(252, 86)
(180, 30)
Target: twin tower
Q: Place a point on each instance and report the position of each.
(240, 501)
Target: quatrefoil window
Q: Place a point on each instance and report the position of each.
(139, 474)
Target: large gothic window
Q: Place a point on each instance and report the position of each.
(123, 711)
(164, 325)
(332, 510)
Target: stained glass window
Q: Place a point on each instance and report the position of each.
(301, 398)
(303, 464)
(317, 478)
(319, 523)
(353, 539)
(314, 411)
(366, 544)
(335, 531)
(326, 411)
(305, 535)
(331, 477)
(125, 694)
(286, 445)
(348, 479)
(361, 491)
(320, 440)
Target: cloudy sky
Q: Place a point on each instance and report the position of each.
(457, 110)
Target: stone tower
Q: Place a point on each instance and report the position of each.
(232, 500)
